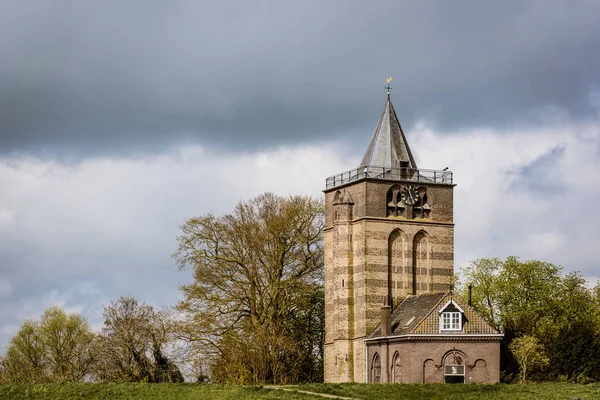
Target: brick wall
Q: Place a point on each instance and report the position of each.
(369, 256)
(422, 360)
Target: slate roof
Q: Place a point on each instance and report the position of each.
(388, 145)
(420, 315)
(412, 306)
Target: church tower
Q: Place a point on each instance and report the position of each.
(389, 234)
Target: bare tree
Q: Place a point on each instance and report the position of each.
(256, 271)
(131, 346)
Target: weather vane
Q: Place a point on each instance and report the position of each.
(388, 87)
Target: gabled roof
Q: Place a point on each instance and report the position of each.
(450, 302)
(388, 145)
(420, 315)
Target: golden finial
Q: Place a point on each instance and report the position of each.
(388, 80)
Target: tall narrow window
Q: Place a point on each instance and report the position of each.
(395, 265)
(376, 369)
(396, 368)
(420, 263)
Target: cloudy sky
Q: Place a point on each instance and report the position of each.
(120, 119)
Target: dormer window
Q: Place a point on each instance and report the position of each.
(451, 317)
(451, 321)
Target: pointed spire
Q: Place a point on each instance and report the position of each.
(388, 146)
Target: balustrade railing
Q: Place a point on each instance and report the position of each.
(392, 174)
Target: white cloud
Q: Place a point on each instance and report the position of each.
(517, 195)
(547, 244)
(80, 235)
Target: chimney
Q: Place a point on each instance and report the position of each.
(386, 320)
(470, 293)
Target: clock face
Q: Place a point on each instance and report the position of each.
(410, 195)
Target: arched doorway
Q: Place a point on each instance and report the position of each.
(454, 367)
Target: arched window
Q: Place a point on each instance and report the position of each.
(376, 369)
(395, 266)
(395, 207)
(420, 262)
(396, 369)
(422, 208)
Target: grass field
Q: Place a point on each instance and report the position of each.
(357, 391)
(134, 391)
(462, 392)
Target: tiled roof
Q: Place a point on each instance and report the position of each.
(388, 145)
(412, 306)
(473, 322)
(420, 315)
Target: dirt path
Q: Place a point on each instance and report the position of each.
(325, 395)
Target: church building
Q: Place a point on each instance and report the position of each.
(390, 312)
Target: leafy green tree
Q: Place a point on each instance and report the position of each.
(25, 359)
(483, 276)
(532, 298)
(571, 335)
(529, 354)
(596, 294)
(528, 291)
(56, 348)
(131, 346)
(67, 340)
(257, 277)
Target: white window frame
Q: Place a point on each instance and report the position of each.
(451, 321)
(455, 326)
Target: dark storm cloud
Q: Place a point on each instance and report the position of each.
(540, 177)
(105, 77)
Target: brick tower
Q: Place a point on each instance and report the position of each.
(389, 233)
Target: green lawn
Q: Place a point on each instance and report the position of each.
(463, 392)
(132, 391)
